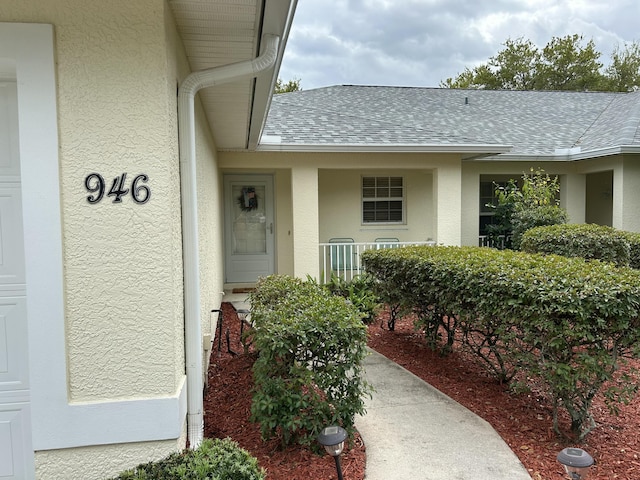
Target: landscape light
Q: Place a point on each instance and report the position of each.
(576, 462)
(332, 439)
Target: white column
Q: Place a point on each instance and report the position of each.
(304, 195)
(573, 196)
(448, 191)
(626, 195)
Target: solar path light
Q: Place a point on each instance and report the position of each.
(332, 439)
(576, 462)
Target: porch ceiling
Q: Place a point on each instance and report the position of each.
(220, 32)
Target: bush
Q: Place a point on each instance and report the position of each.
(308, 374)
(566, 321)
(213, 459)
(525, 219)
(519, 209)
(634, 248)
(579, 240)
(360, 291)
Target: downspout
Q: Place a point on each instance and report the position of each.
(188, 184)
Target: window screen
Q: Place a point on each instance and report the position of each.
(382, 200)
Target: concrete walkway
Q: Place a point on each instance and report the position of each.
(414, 432)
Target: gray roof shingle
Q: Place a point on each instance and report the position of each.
(533, 122)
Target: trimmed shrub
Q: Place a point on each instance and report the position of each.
(527, 218)
(634, 248)
(309, 371)
(214, 458)
(567, 321)
(579, 240)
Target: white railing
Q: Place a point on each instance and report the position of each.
(487, 241)
(343, 259)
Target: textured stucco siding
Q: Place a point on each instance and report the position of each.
(116, 113)
(118, 64)
(100, 462)
(341, 206)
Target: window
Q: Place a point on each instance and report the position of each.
(382, 200)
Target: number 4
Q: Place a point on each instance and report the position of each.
(117, 189)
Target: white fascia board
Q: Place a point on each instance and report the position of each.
(277, 19)
(466, 149)
(569, 157)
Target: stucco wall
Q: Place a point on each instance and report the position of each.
(341, 206)
(439, 211)
(98, 462)
(210, 217)
(116, 115)
(117, 65)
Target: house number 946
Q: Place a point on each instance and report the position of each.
(95, 185)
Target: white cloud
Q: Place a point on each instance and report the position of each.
(423, 42)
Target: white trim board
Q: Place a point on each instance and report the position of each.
(56, 422)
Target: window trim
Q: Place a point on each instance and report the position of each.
(402, 199)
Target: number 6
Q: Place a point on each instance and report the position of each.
(137, 189)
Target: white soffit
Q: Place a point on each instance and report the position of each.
(214, 33)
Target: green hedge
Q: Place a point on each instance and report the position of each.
(213, 459)
(567, 321)
(579, 240)
(308, 374)
(634, 248)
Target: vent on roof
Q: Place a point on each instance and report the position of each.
(567, 151)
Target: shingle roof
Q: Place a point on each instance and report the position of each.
(533, 122)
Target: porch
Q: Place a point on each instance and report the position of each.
(342, 257)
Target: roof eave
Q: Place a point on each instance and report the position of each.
(277, 20)
(467, 150)
(567, 157)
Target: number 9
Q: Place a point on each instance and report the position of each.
(137, 189)
(97, 186)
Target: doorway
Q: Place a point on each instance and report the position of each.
(249, 227)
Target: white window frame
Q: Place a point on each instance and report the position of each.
(377, 198)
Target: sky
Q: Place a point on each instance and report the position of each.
(424, 42)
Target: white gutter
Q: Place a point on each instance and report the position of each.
(268, 145)
(186, 132)
(567, 157)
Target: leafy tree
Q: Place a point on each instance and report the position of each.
(513, 68)
(291, 86)
(563, 64)
(566, 65)
(623, 74)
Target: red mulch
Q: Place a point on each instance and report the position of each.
(227, 410)
(523, 420)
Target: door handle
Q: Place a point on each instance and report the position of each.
(271, 228)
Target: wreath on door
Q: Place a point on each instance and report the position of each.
(248, 200)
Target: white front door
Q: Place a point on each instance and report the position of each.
(249, 227)
(16, 452)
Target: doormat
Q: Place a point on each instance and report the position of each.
(243, 290)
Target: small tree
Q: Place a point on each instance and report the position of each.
(535, 204)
